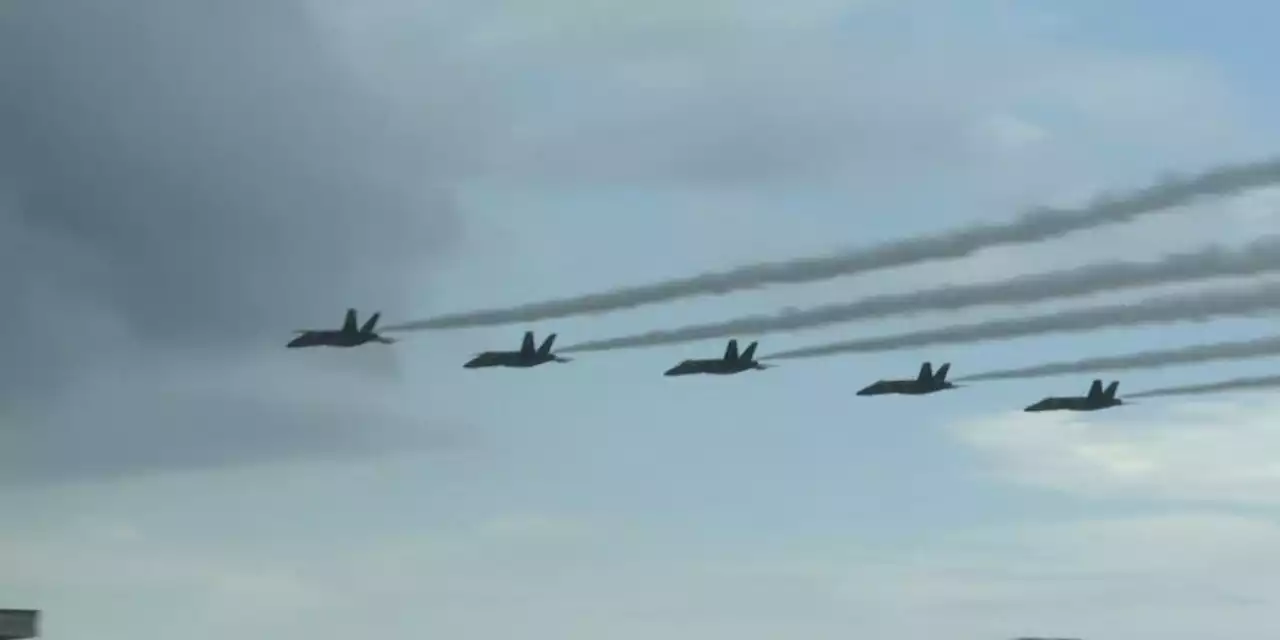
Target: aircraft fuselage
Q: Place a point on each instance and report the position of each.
(332, 339)
(715, 367)
(514, 359)
(529, 355)
(904, 387)
(350, 335)
(1076, 403)
(733, 361)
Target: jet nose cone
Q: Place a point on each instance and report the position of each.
(294, 343)
(673, 371)
(866, 391)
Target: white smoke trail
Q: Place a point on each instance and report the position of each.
(1237, 384)
(1194, 307)
(1261, 256)
(1034, 226)
(1195, 354)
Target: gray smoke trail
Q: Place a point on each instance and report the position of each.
(1034, 226)
(1194, 354)
(1258, 257)
(1238, 384)
(1195, 307)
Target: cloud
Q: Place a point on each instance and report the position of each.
(1170, 575)
(726, 95)
(169, 414)
(179, 188)
(1210, 452)
(534, 527)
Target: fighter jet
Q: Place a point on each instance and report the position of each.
(348, 336)
(925, 383)
(731, 363)
(1098, 398)
(526, 357)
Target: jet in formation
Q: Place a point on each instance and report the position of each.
(527, 356)
(732, 362)
(1098, 398)
(349, 335)
(925, 383)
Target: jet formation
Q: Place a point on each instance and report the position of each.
(733, 361)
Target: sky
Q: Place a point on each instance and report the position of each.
(183, 184)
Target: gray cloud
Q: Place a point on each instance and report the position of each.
(166, 414)
(745, 93)
(697, 93)
(178, 176)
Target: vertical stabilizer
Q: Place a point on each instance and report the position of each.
(1110, 391)
(371, 323)
(349, 322)
(731, 351)
(545, 348)
(526, 345)
(749, 354)
(926, 372)
(1095, 389)
(941, 375)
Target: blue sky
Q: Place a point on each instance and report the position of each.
(608, 143)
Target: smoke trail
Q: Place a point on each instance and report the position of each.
(1258, 257)
(1195, 307)
(1195, 354)
(1238, 384)
(1034, 226)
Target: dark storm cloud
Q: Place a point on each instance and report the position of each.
(180, 175)
(168, 415)
(212, 160)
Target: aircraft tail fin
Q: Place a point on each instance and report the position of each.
(940, 375)
(1095, 389)
(731, 350)
(526, 345)
(1110, 391)
(749, 354)
(926, 372)
(371, 323)
(545, 348)
(349, 322)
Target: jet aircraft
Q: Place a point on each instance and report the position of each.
(526, 357)
(732, 362)
(348, 336)
(925, 383)
(1098, 398)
